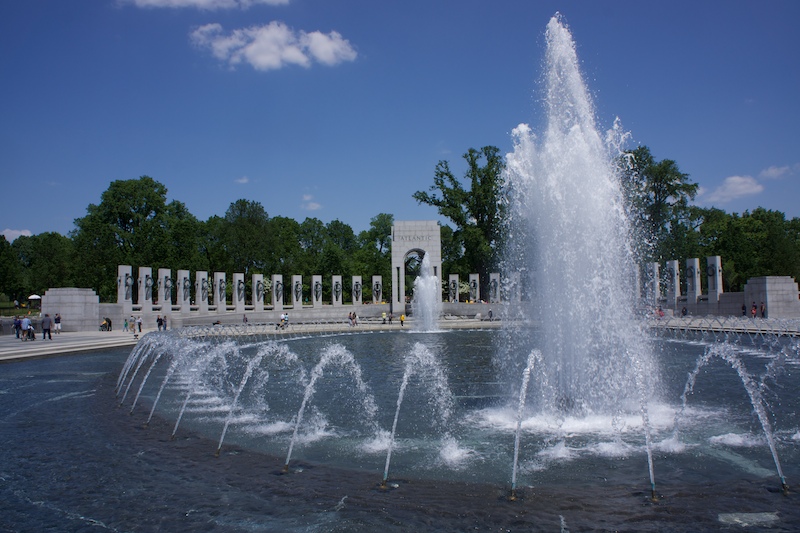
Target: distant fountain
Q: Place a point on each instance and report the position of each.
(427, 302)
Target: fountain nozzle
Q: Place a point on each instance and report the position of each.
(285, 468)
(513, 496)
(216, 454)
(785, 488)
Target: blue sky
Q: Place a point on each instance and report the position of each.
(341, 109)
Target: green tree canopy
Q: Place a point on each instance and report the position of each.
(474, 205)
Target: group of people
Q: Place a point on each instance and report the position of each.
(754, 310)
(352, 318)
(132, 324)
(24, 328)
(284, 321)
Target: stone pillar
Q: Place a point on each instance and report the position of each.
(452, 288)
(714, 273)
(258, 289)
(184, 294)
(514, 287)
(693, 288)
(494, 287)
(316, 290)
(125, 287)
(146, 283)
(202, 291)
(356, 291)
(239, 292)
(337, 290)
(673, 283)
(654, 284)
(165, 284)
(220, 292)
(377, 289)
(297, 291)
(277, 292)
(474, 288)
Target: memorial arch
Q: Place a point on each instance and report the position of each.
(422, 237)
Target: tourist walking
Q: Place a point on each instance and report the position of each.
(125, 325)
(17, 325)
(47, 324)
(754, 310)
(26, 329)
(402, 320)
(159, 322)
(139, 324)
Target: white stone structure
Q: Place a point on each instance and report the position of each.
(184, 291)
(693, 288)
(714, 273)
(220, 289)
(277, 292)
(125, 287)
(258, 289)
(377, 289)
(146, 282)
(356, 290)
(422, 237)
(79, 308)
(494, 287)
(673, 283)
(474, 288)
(452, 288)
(337, 289)
(654, 284)
(202, 291)
(165, 283)
(297, 291)
(316, 290)
(239, 292)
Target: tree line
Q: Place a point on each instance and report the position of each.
(134, 224)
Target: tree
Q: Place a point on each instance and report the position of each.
(46, 261)
(477, 212)
(246, 236)
(659, 194)
(10, 271)
(373, 254)
(132, 225)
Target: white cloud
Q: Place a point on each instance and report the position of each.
(242, 180)
(309, 204)
(206, 5)
(734, 187)
(774, 172)
(273, 46)
(12, 234)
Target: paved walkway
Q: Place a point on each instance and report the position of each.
(12, 349)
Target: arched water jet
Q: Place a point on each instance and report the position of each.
(251, 365)
(421, 359)
(726, 352)
(336, 355)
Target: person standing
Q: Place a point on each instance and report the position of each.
(402, 320)
(763, 310)
(125, 325)
(57, 322)
(47, 324)
(159, 322)
(139, 323)
(26, 327)
(17, 325)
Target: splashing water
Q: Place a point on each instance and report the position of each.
(570, 241)
(427, 302)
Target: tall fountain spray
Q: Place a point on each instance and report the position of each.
(427, 303)
(570, 240)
